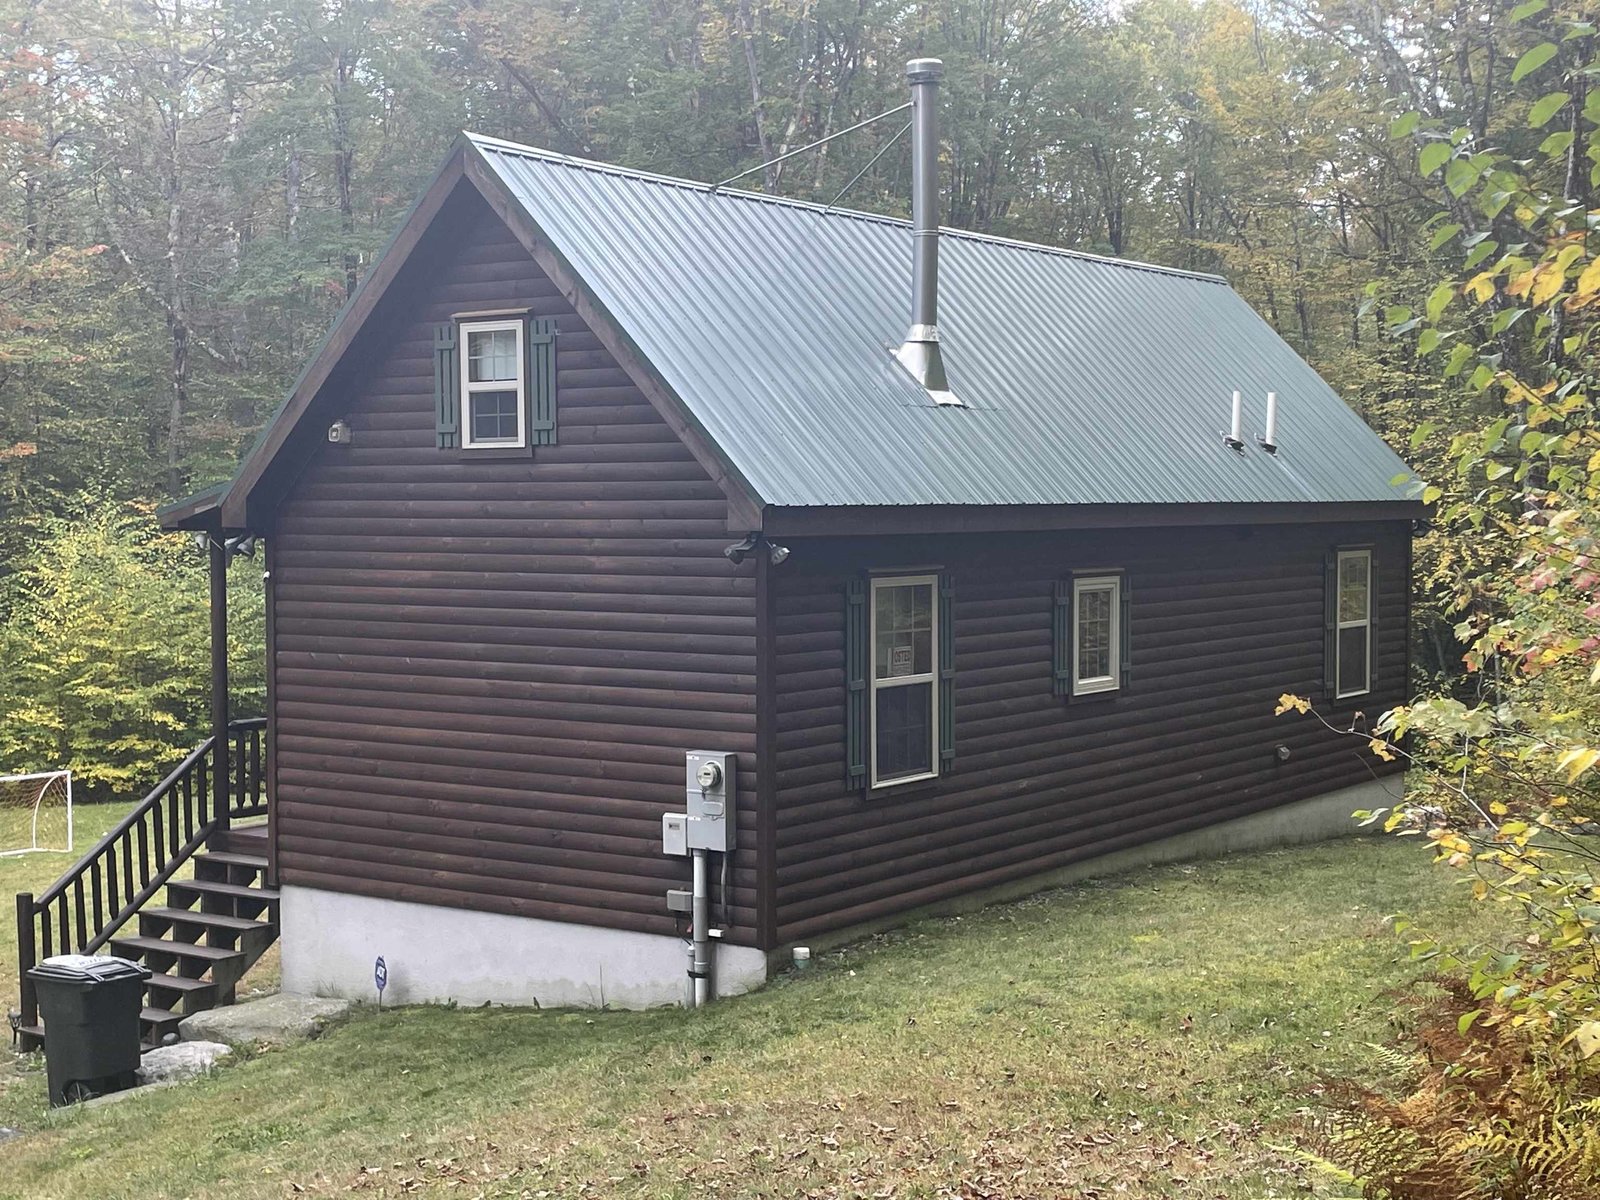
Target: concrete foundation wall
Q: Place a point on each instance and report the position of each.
(435, 954)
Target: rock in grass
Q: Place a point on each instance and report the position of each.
(183, 1060)
(271, 1021)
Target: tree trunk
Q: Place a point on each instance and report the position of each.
(177, 311)
(344, 159)
(293, 176)
(748, 36)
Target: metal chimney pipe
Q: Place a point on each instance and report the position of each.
(919, 354)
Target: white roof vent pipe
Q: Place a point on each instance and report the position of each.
(920, 354)
(1235, 435)
(1269, 440)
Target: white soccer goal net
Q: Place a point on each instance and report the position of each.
(35, 812)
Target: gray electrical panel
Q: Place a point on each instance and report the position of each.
(709, 800)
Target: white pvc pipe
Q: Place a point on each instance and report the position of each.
(1272, 419)
(700, 969)
(1237, 436)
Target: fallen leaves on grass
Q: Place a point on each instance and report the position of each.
(831, 1149)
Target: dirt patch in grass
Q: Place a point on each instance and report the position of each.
(1155, 1035)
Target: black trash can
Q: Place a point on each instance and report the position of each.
(90, 1004)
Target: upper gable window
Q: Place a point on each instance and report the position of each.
(493, 384)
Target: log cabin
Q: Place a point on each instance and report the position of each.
(645, 599)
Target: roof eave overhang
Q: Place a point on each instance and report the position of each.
(203, 510)
(881, 520)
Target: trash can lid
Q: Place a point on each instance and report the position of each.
(88, 968)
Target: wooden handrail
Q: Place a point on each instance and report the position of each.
(133, 817)
(123, 871)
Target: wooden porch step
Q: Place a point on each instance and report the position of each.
(205, 920)
(233, 858)
(236, 891)
(243, 839)
(155, 1024)
(200, 989)
(150, 945)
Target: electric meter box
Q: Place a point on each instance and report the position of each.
(709, 800)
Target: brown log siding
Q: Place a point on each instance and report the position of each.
(486, 671)
(1224, 620)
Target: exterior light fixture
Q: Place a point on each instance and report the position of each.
(741, 550)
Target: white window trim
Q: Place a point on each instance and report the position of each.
(1099, 683)
(468, 442)
(931, 678)
(1340, 625)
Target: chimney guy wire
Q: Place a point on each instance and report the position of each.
(871, 162)
(812, 146)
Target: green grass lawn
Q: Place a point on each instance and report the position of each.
(35, 872)
(1152, 1035)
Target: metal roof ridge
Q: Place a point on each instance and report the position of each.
(576, 162)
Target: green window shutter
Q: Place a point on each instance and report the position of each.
(1061, 640)
(857, 661)
(541, 340)
(947, 676)
(446, 388)
(1125, 632)
(1330, 624)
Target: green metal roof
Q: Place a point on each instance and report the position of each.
(1087, 380)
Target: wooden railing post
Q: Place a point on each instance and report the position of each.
(27, 957)
(217, 561)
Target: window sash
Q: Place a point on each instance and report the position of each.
(471, 388)
(1111, 586)
(928, 678)
(1341, 623)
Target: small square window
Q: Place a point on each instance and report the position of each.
(1096, 634)
(493, 387)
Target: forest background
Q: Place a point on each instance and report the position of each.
(192, 188)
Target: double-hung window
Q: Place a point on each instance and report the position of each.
(493, 384)
(1353, 624)
(1096, 634)
(904, 679)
